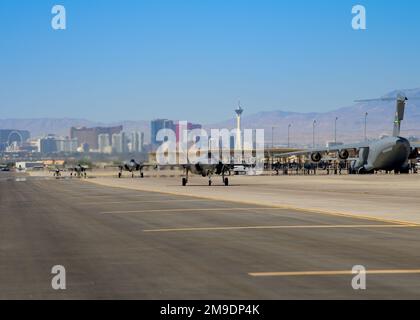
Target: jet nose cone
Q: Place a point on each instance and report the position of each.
(403, 145)
(403, 142)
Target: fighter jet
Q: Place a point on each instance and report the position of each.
(388, 153)
(56, 171)
(4, 168)
(79, 170)
(207, 170)
(132, 166)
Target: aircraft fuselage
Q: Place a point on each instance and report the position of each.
(390, 153)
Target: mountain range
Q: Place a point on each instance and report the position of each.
(350, 123)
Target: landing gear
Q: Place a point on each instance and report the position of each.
(209, 183)
(141, 175)
(132, 174)
(402, 171)
(119, 174)
(224, 179)
(185, 179)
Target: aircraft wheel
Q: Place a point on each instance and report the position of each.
(141, 175)
(226, 181)
(184, 182)
(119, 174)
(209, 183)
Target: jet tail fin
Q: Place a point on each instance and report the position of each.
(399, 115)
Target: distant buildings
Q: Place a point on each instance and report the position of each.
(89, 136)
(333, 144)
(137, 142)
(54, 144)
(156, 126)
(178, 127)
(119, 143)
(104, 144)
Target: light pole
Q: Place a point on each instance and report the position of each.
(272, 138)
(335, 130)
(366, 115)
(313, 133)
(288, 136)
(272, 146)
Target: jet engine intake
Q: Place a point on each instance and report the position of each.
(344, 154)
(316, 157)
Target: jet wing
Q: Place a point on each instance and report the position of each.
(354, 146)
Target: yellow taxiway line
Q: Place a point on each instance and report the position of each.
(353, 226)
(331, 273)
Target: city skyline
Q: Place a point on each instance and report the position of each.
(194, 60)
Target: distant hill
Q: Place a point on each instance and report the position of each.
(350, 126)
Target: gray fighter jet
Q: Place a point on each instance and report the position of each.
(388, 153)
(132, 166)
(78, 170)
(208, 170)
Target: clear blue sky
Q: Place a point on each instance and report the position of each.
(194, 59)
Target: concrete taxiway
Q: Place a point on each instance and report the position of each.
(384, 197)
(120, 243)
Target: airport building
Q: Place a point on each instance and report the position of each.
(89, 136)
(29, 165)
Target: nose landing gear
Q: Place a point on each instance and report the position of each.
(226, 181)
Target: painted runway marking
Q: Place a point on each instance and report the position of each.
(355, 226)
(185, 210)
(142, 201)
(330, 273)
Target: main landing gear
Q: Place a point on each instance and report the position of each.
(224, 179)
(185, 179)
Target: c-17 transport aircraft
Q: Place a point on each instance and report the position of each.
(389, 153)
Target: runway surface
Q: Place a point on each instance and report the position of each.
(125, 244)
